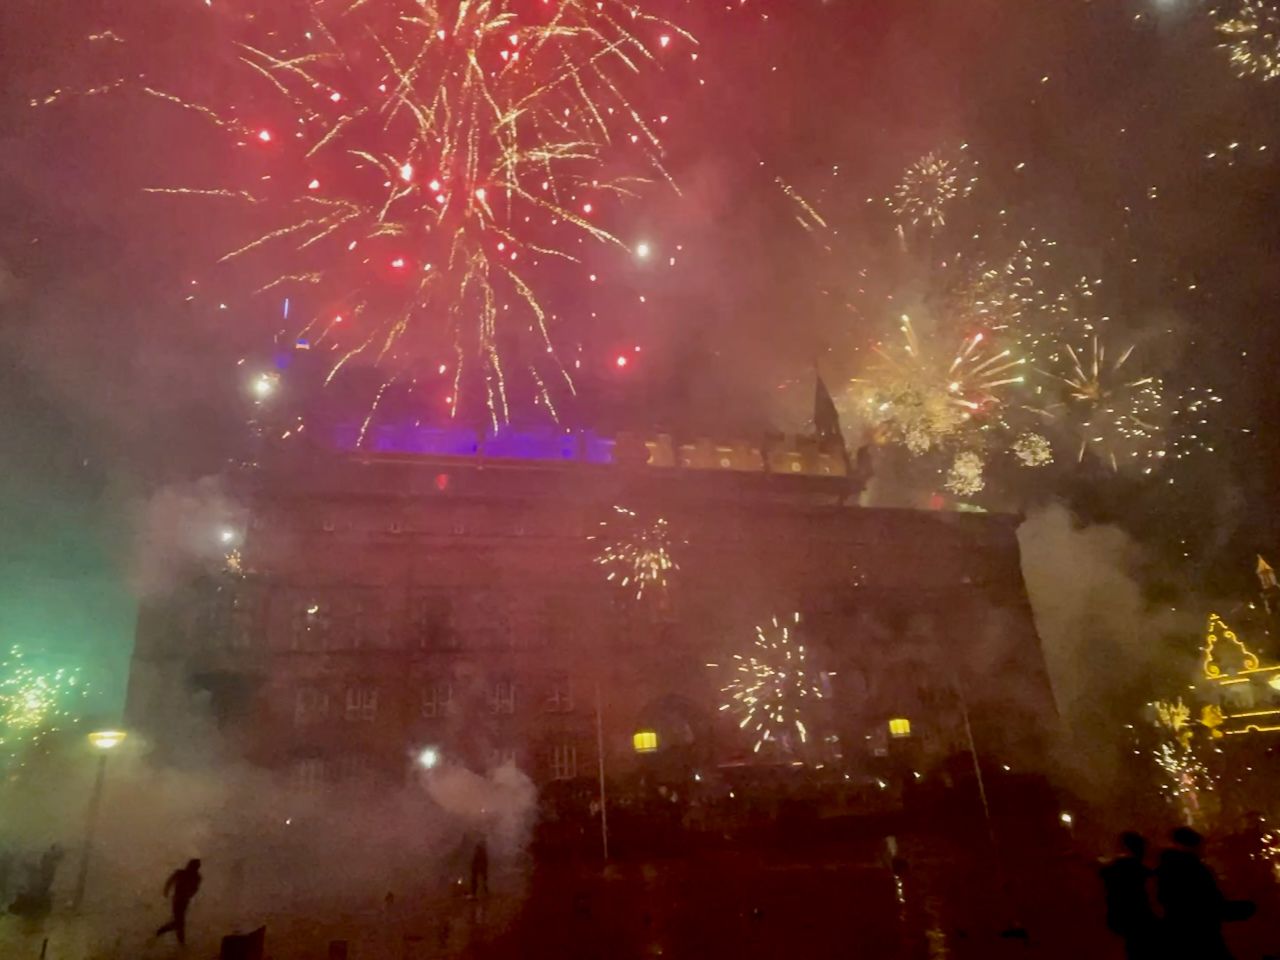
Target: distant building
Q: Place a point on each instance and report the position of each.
(450, 604)
(1240, 665)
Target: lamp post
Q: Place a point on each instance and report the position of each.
(103, 741)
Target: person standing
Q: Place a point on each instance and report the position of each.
(1194, 907)
(480, 869)
(182, 886)
(1129, 913)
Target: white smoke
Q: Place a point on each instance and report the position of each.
(182, 529)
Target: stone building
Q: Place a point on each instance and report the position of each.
(438, 597)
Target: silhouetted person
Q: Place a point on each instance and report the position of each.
(182, 886)
(480, 869)
(6, 869)
(36, 898)
(1129, 913)
(1194, 907)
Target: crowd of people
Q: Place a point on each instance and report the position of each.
(1186, 917)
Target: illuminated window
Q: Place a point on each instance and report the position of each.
(899, 727)
(645, 741)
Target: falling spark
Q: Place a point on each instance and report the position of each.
(635, 553)
(34, 703)
(1252, 38)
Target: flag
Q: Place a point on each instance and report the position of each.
(826, 420)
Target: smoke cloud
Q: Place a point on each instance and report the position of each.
(271, 849)
(182, 528)
(1108, 649)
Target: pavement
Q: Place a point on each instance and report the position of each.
(782, 902)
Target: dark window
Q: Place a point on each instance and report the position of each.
(437, 699)
(559, 695)
(433, 624)
(502, 697)
(310, 705)
(311, 622)
(362, 704)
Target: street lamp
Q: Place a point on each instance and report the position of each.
(103, 741)
(428, 758)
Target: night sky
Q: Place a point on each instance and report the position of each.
(113, 383)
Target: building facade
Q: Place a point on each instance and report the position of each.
(574, 600)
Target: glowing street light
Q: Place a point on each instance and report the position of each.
(643, 250)
(106, 739)
(104, 742)
(429, 758)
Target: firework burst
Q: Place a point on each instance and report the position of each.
(1251, 37)
(1118, 414)
(965, 477)
(929, 187)
(419, 160)
(774, 687)
(927, 393)
(636, 553)
(1184, 777)
(34, 703)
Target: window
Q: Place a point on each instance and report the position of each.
(437, 699)
(502, 756)
(1239, 696)
(310, 705)
(560, 695)
(353, 767)
(645, 741)
(362, 704)
(502, 697)
(899, 727)
(311, 623)
(433, 623)
(564, 761)
(555, 621)
(359, 621)
(308, 773)
(241, 629)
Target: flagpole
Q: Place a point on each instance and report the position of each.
(604, 807)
